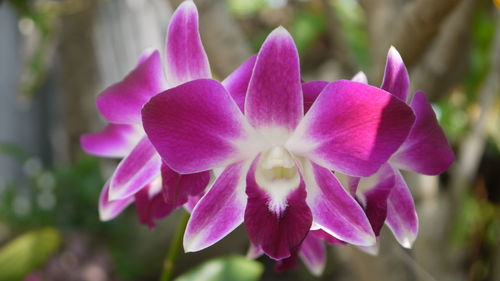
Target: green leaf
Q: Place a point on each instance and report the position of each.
(235, 268)
(306, 28)
(27, 252)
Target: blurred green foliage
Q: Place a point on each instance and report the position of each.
(24, 254)
(235, 268)
(37, 23)
(354, 29)
(306, 27)
(49, 195)
(245, 7)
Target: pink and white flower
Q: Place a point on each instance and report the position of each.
(276, 161)
(425, 151)
(137, 177)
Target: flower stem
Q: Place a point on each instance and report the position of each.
(174, 250)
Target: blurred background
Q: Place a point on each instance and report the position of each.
(57, 55)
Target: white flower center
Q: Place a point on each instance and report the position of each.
(277, 174)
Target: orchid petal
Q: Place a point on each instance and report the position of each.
(396, 80)
(109, 210)
(426, 138)
(287, 263)
(274, 97)
(135, 171)
(333, 209)
(116, 140)
(323, 235)
(352, 128)
(277, 231)
(237, 82)
(401, 214)
(122, 102)
(311, 91)
(254, 252)
(220, 211)
(313, 254)
(360, 77)
(376, 198)
(352, 185)
(177, 188)
(371, 250)
(197, 126)
(192, 202)
(185, 56)
(150, 205)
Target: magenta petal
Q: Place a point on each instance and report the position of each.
(122, 102)
(313, 254)
(277, 234)
(186, 58)
(116, 140)
(286, 264)
(150, 205)
(376, 198)
(401, 214)
(178, 187)
(311, 91)
(426, 138)
(196, 126)
(109, 210)
(396, 80)
(333, 209)
(352, 128)
(135, 171)
(321, 234)
(237, 82)
(220, 211)
(352, 185)
(193, 201)
(274, 97)
(254, 252)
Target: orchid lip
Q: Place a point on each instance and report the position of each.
(277, 174)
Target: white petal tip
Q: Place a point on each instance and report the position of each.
(407, 242)
(192, 244)
(188, 5)
(280, 31)
(148, 51)
(372, 241)
(368, 241)
(191, 249)
(117, 192)
(360, 77)
(105, 216)
(317, 271)
(394, 54)
(372, 250)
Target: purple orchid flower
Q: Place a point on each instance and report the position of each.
(388, 200)
(137, 176)
(277, 162)
(425, 151)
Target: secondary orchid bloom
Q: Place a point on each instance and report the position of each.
(388, 199)
(425, 151)
(137, 177)
(276, 162)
